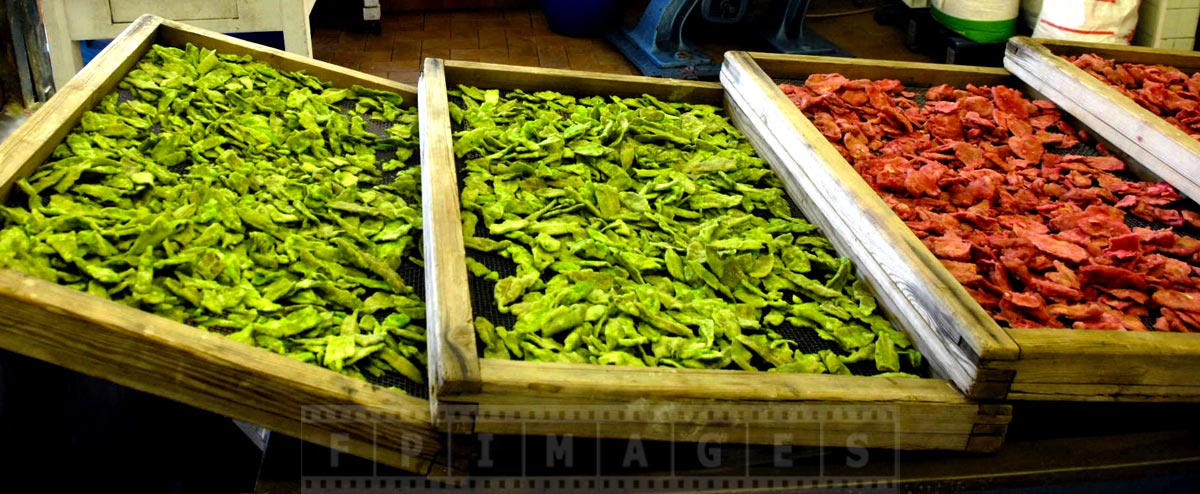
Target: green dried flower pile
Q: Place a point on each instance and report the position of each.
(242, 200)
(647, 233)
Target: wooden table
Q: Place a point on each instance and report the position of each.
(69, 21)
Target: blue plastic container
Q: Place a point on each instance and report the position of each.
(579, 18)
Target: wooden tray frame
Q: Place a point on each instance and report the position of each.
(133, 348)
(473, 394)
(1167, 151)
(1018, 364)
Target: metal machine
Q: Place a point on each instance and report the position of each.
(657, 46)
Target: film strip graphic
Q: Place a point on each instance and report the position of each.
(643, 446)
(345, 485)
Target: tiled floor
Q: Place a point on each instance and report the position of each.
(522, 37)
(517, 37)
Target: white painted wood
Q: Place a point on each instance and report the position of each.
(946, 333)
(128, 10)
(945, 360)
(297, 34)
(1164, 150)
(65, 59)
(69, 21)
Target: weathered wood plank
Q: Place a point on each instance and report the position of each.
(507, 378)
(454, 360)
(944, 359)
(1104, 392)
(799, 67)
(159, 356)
(1187, 61)
(1164, 150)
(575, 82)
(1110, 358)
(962, 333)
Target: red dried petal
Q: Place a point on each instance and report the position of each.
(1028, 147)
(1059, 248)
(1185, 301)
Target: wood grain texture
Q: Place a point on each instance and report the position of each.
(910, 73)
(453, 358)
(1167, 152)
(942, 359)
(904, 425)
(506, 378)
(952, 330)
(105, 339)
(926, 413)
(1046, 364)
(1187, 61)
(1103, 392)
(575, 82)
(1117, 359)
(133, 348)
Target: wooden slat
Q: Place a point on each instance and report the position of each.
(1165, 151)
(935, 414)
(965, 334)
(1064, 357)
(910, 73)
(454, 360)
(519, 378)
(575, 82)
(1104, 392)
(1187, 61)
(522, 392)
(152, 354)
(105, 339)
(945, 361)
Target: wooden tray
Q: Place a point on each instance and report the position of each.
(504, 397)
(153, 354)
(995, 362)
(1151, 141)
